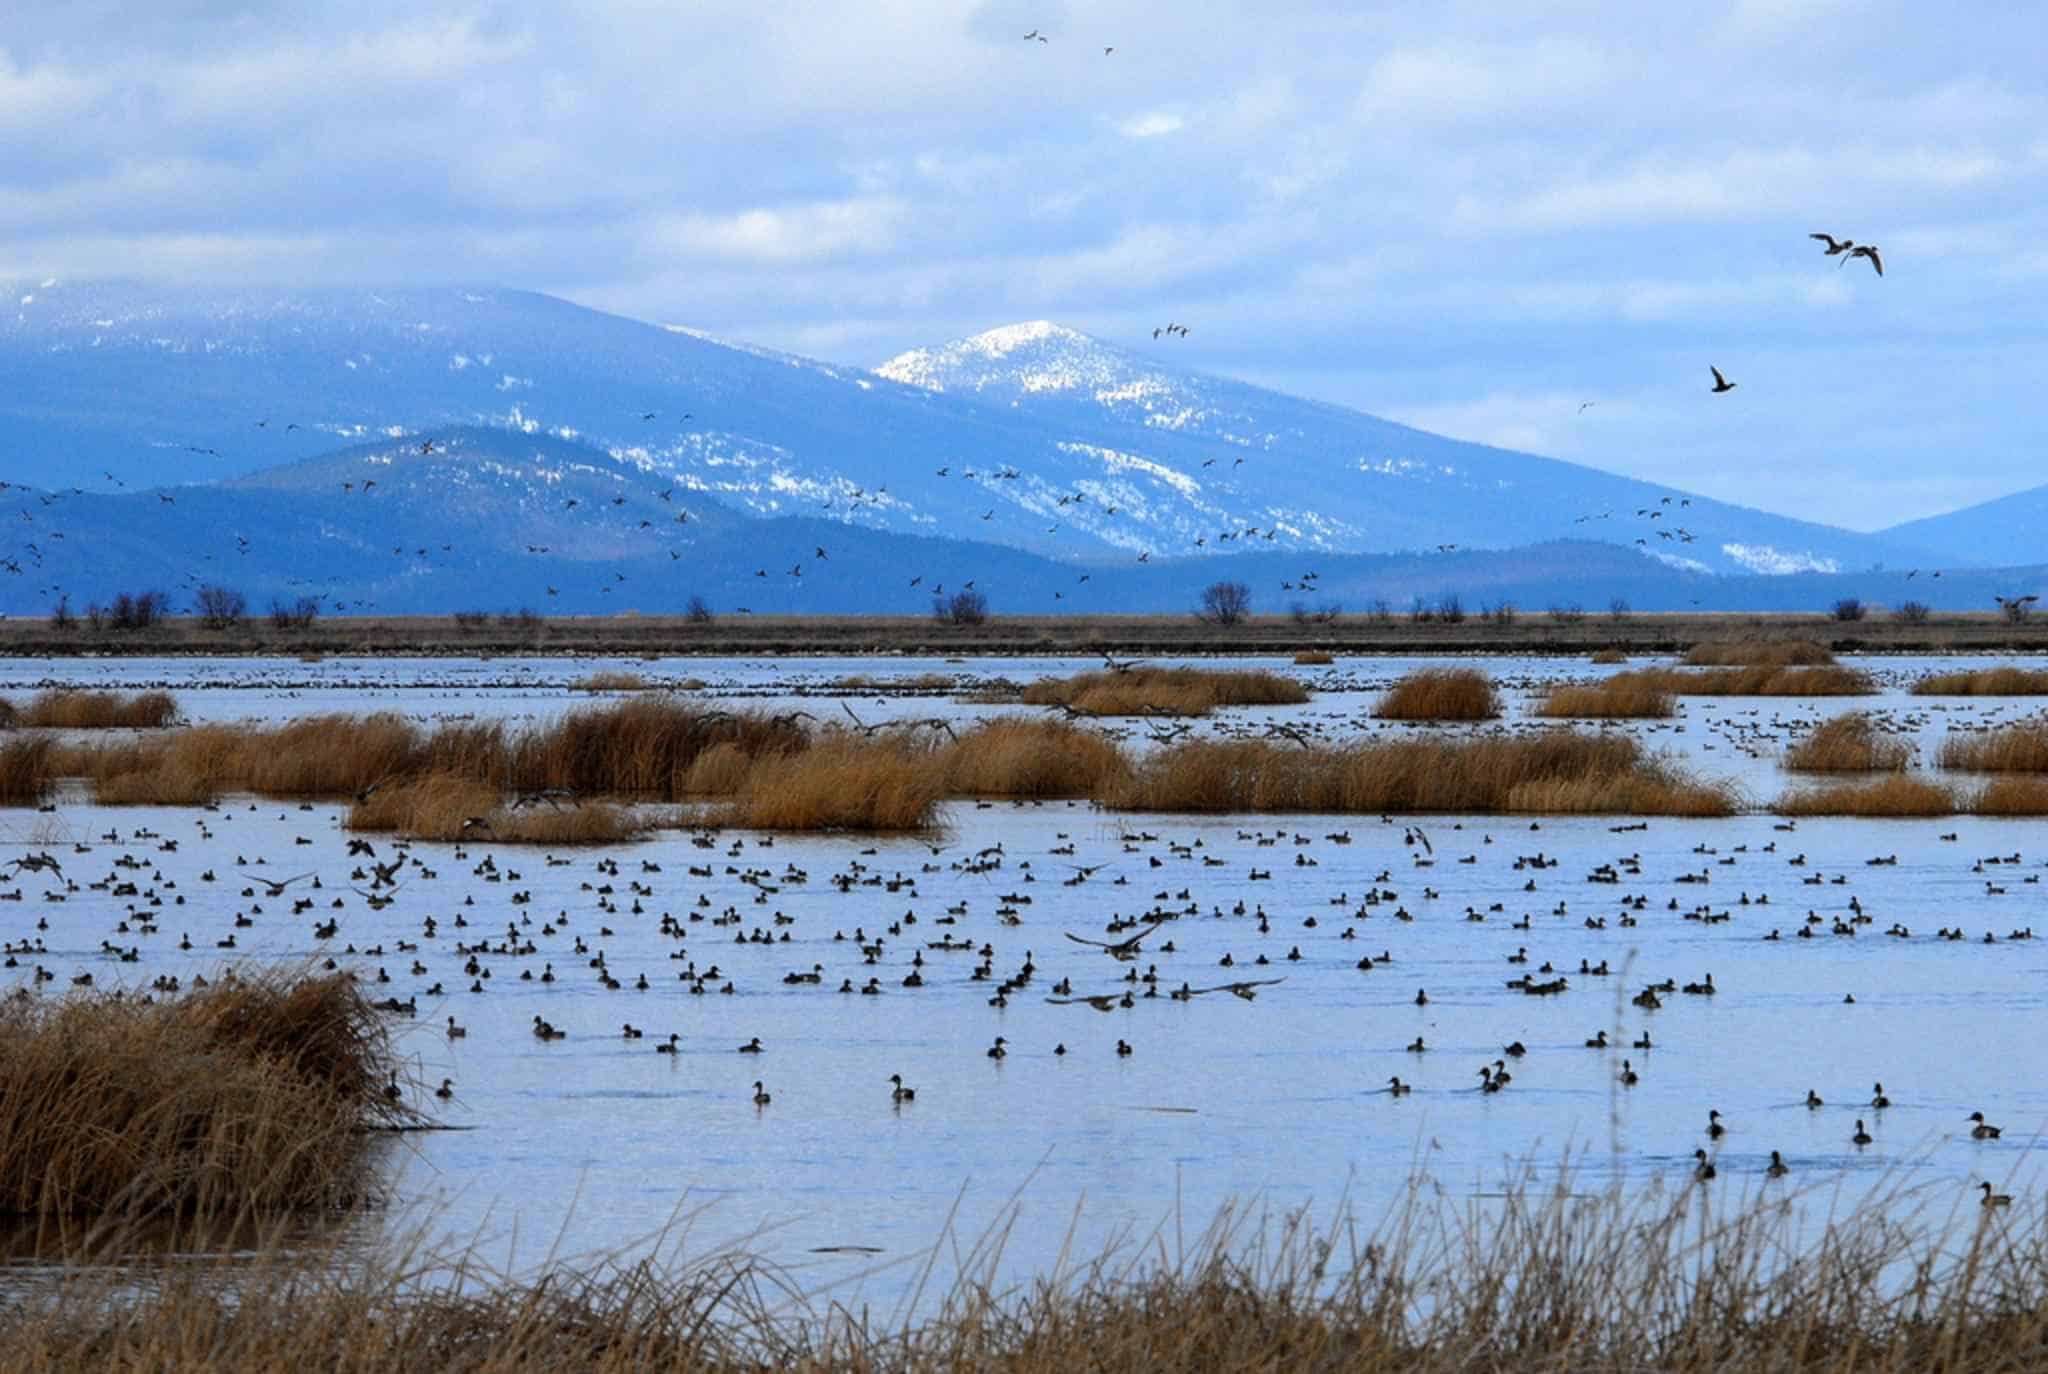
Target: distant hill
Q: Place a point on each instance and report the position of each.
(2010, 529)
(1031, 436)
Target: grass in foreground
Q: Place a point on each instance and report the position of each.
(1747, 653)
(1610, 699)
(1164, 691)
(1440, 694)
(2017, 748)
(1984, 682)
(1558, 772)
(247, 1096)
(1849, 744)
(1673, 1281)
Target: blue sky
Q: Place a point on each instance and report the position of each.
(1471, 217)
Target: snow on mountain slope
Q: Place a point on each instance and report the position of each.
(1031, 435)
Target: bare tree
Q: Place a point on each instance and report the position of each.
(1912, 612)
(967, 607)
(220, 607)
(1225, 603)
(1848, 608)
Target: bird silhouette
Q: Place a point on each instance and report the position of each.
(1721, 383)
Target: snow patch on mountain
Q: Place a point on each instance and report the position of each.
(1762, 558)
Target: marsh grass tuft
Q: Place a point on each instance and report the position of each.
(1164, 691)
(1609, 655)
(611, 682)
(2021, 747)
(1616, 698)
(1984, 682)
(1026, 756)
(1554, 772)
(1759, 680)
(73, 709)
(1898, 795)
(28, 770)
(889, 783)
(1754, 653)
(1313, 658)
(445, 806)
(248, 1095)
(1440, 694)
(1849, 743)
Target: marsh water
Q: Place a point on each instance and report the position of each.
(596, 1142)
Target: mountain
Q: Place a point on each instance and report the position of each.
(2010, 529)
(495, 520)
(1031, 436)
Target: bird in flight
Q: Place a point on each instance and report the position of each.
(1866, 250)
(1584, 406)
(1034, 34)
(426, 446)
(1835, 246)
(1721, 383)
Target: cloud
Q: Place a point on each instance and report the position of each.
(1151, 125)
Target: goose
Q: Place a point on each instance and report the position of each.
(1721, 383)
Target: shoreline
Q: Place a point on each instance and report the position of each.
(1006, 637)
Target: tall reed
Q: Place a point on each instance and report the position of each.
(1984, 682)
(1771, 653)
(1024, 756)
(63, 708)
(1761, 680)
(1898, 795)
(2021, 747)
(1164, 691)
(1849, 743)
(1440, 694)
(1616, 698)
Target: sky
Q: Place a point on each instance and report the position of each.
(1471, 217)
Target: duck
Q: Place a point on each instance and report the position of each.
(899, 1093)
(1598, 1042)
(1628, 1075)
(1421, 998)
(1396, 1088)
(1992, 1199)
(1862, 1137)
(1776, 1168)
(668, 1046)
(1983, 1130)
(1878, 1101)
(1715, 1130)
(1417, 1047)
(456, 1032)
(446, 1090)
(1703, 1170)
(996, 1050)
(1813, 1102)
(752, 1046)
(760, 1094)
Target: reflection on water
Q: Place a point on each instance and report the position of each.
(594, 1141)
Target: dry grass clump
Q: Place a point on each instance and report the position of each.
(71, 709)
(1313, 658)
(1984, 682)
(246, 1096)
(643, 747)
(1849, 744)
(2018, 796)
(1164, 691)
(841, 782)
(1559, 772)
(1754, 653)
(1609, 655)
(610, 682)
(1665, 1281)
(1620, 697)
(445, 806)
(27, 770)
(2017, 748)
(1440, 694)
(1897, 795)
(1023, 756)
(1760, 680)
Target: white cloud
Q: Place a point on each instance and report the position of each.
(1151, 125)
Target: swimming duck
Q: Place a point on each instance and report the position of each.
(668, 1046)
(1813, 1102)
(752, 1046)
(1703, 1170)
(1396, 1088)
(760, 1094)
(1983, 1130)
(1776, 1168)
(996, 1050)
(1862, 1137)
(1878, 1101)
(1628, 1075)
(1992, 1199)
(900, 1093)
(1715, 1130)
(446, 1090)
(1598, 1042)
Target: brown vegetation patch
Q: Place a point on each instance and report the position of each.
(1440, 694)
(2018, 748)
(1849, 744)
(1313, 658)
(443, 806)
(1984, 682)
(1024, 756)
(27, 770)
(611, 682)
(1609, 656)
(1758, 653)
(840, 783)
(2015, 796)
(1896, 795)
(1164, 691)
(71, 709)
(246, 1096)
(1558, 772)
(1762, 680)
(1617, 698)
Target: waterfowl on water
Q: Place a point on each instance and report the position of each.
(446, 1090)
(1992, 1199)
(455, 1032)
(996, 1050)
(1628, 1075)
(752, 1046)
(1813, 1102)
(1396, 1088)
(1983, 1130)
(760, 1094)
(1715, 1130)
(668, 1046)
(1862, 1137)
(1703, 1170)
(1777, 1168)
(1878, 1101)
(900, 1093)
(1598, 1042)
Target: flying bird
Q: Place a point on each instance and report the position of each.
(1721, 383)
(1835, 245)
(1867, 250)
